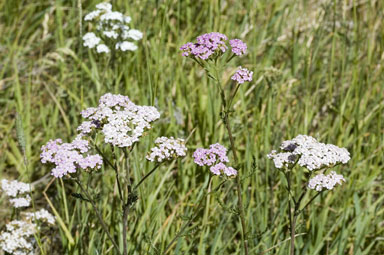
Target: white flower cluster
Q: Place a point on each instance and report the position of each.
(167, 149)
(121, 121)
(112, 28)
(309, 153)
(17, 191)
(321, 181)
(41, 215)
(18, 239)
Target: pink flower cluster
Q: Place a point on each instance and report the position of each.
(212, 45)
(215, 157)
(69, 156)
(242, 75)
(238, 47)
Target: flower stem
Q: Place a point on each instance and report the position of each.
(104, 226)
(225, 118)
(146, 176)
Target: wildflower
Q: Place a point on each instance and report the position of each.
(124, 46)
(14, 188)
(18, 238)
(310, 153)
(242, 75)
(102, 48)
(207, 45)
(238, 47)
(41, 215)
(167, 149)
(211, 46)
(119, 119)
(112, 27)
(69, 156)
(91, 40)
(19, 202)
(321, 181)
(215, 157)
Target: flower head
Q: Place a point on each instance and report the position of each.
(215, 157)
(242, 75)
(321, 181)
(208, 46)
(67, 157)
(309, 153)
(14, 188)
(238, 46)
(18, 238)
(120, 120)
(167, 149)
(112, 30)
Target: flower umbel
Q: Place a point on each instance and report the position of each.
(211, 46)
(310, 153)
(242, 75)
(67, 157)
(120, 120)
(321, 181)
(215, 157)
(167, 149)
(113, 32)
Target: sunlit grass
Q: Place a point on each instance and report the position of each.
(330, 86)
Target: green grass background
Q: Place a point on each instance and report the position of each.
(330, 57)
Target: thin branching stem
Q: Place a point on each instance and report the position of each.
(225, 118)
(195, 214)
(116, 172)
(146, 176)
(103, 225)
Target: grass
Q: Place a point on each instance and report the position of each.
(330, 85)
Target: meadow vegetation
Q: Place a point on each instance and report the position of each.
(317, 70)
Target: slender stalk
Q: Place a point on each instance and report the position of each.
(292, 216)
(125, 227)
(114, 167)
(293, 228)
(193, 218)
(146, 176)
(225, 118)
(309, 202)
(104, 226)
(239, 190)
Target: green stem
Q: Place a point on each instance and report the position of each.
(225, 118)
(146, 176)
(104, 226)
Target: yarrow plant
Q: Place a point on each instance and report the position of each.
(167, 149)
(19, 235)
(215, 157)
(119, 124)
(18, 192)
(306, 152)
(213, 51)
(112, 32)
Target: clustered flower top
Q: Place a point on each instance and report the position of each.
(112, 30)
(321, 181)
(167, 149)
(309, 153)
(215, 157)
(18, 237)
(67, 157)
(41, 215)
(212, 45)
(17, 191)
(120, 120)
(242, 75)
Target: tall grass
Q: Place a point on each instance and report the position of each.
(330, 85)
